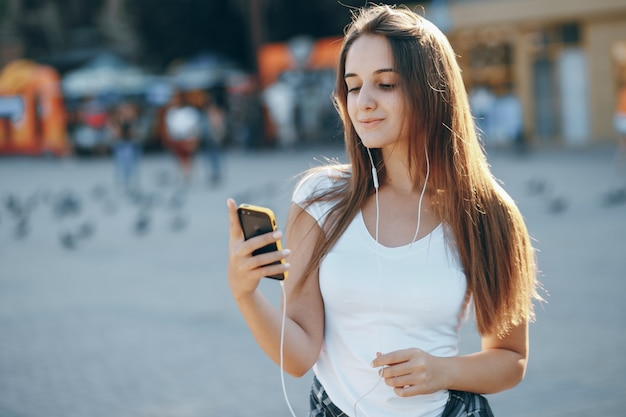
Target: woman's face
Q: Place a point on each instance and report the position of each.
(376, 105)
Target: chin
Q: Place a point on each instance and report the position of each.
(374, 143)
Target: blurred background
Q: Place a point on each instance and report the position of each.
(125, 125)
(560, 63)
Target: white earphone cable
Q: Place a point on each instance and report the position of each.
(380, 283)
(284, 294)
(375, 180)
(419, 204)
(282, 346)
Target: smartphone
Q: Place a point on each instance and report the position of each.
(257, 220)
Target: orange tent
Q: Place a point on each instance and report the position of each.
(274, 58)
(42, 126)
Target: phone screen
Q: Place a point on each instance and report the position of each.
(255, 223)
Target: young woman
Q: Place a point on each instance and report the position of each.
(386, 253)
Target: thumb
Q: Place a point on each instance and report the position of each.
(233, 218)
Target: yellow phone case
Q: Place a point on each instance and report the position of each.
(257, 220)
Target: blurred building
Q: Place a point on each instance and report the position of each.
(66, 34)
(564, 59)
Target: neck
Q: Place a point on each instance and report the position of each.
(398, 176)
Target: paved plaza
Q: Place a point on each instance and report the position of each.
(112, 306)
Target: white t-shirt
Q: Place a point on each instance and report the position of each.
(182, 123)
(382, 299)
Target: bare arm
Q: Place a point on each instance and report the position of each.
(304, 323)
(499, 365)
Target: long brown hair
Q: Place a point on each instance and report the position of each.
(490, 236)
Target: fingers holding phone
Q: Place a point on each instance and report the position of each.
(255, 249)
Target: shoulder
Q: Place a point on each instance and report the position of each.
(314, 191)
(319, 180)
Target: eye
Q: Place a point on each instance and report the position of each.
(352, 89)
(387, 86)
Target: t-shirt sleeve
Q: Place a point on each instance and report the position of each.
(311, 184)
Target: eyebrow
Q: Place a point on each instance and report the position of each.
(380, 71)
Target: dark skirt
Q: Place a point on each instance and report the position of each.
(460, 404)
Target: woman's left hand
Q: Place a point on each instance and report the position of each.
(411, 372)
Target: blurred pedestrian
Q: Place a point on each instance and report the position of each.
(385, 254)
(245, 113)
(213, 131)
(506, 119)
(182, 132)
(126, 144)
(280, 98)
(91, 136)
(481, 100)
(619, 122)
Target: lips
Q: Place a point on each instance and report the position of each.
(370, 123)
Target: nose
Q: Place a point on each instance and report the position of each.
(366, 99)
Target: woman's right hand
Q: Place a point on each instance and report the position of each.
(244, 269)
